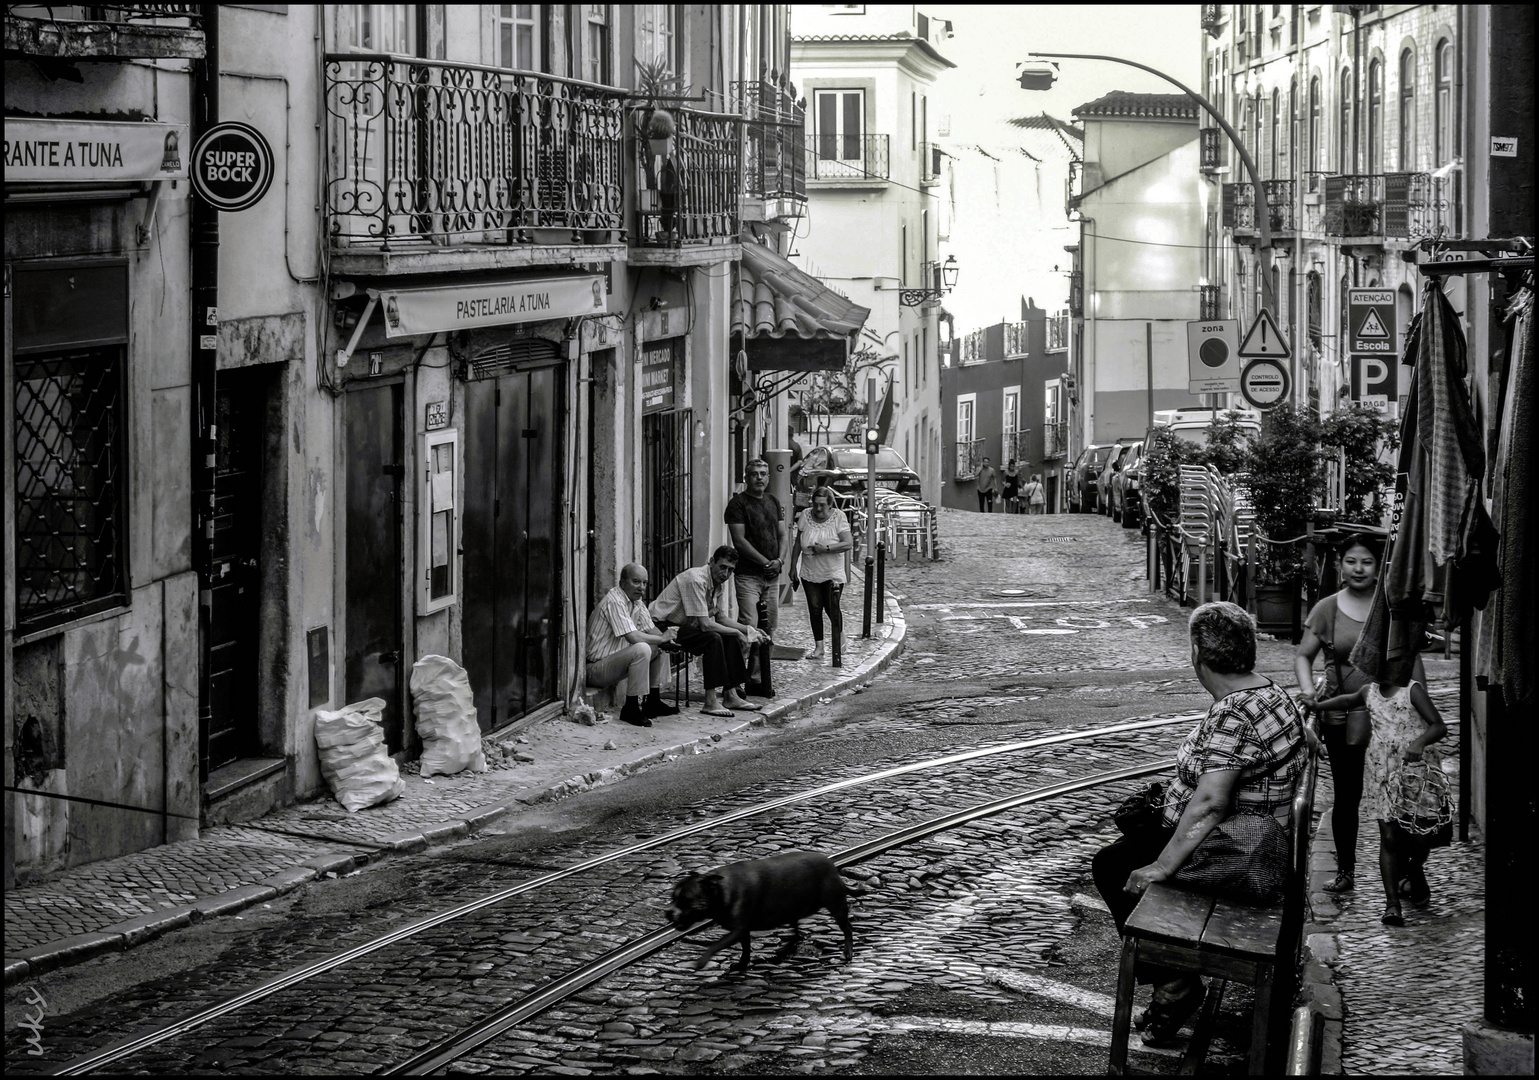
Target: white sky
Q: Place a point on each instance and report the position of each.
(990, 38)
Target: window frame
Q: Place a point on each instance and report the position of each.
(841, 136)
(1407, 109)
(1313, 151)
(1375, 147)
(1443, 103)
(598, 55)
(666, 35)
(1344, 133)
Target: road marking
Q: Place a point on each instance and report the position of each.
(1019, 603)
(1015, 1029)
(1024, 982)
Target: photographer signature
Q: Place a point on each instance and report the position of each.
(34, 1024)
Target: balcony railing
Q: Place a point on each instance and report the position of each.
(1055, 441)
(1077, 294)
(1058, 332)
(1212, 17)
(1419, 205)
(1354, 206)
(1208, 302)
(847, 157)
(193, 13)
(105, 31)
(1016, 446)
(690, 197)
(1211, 148)
(1239, 209)
(428, 152)
(973, 351)
(929, 163)
(969, 458)
(1281, 211)
(774, 135)
(1016, 342)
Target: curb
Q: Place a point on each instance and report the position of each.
(1317, 981)
(136, 931)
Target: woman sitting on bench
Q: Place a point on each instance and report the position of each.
(1245, 756)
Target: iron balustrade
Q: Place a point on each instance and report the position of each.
(1058, 332)
(969, 458)
(1208, 302)
(1016, 447)
(1055, 441)
(1077, 294)
(1420, 205)
(847, 157)
(1281, 212)
(774, 134)
(1239, 211)
(1354, 206)
(425, 151)
(1015, 339)
(1212, 156)
(121, 13)
(690, 196)
(1212, 18)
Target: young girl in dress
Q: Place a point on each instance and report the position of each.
(1405, 723)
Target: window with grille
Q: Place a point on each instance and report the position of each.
(70, 485)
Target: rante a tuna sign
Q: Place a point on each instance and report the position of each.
(92, 151)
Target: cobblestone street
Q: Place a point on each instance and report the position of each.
(984, 949)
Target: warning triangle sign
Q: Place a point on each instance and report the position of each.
(1373, 326)
(1263, 339)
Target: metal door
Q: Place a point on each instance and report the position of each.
(235, 597)
(668, 534)
(373, 437)
(513, 488)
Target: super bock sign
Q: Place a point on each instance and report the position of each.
(232, 166)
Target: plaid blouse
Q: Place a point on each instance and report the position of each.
(1248, 730)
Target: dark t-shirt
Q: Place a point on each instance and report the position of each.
(760, 519)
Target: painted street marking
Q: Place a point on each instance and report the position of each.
(1025, 982)
(1082, 622)
(1014, 1029)
(1019, 603)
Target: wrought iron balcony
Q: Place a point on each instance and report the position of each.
(1077, 294)
(428, 153)
(973, 351)
(1209, 302)
(1058, 332)
(105, 31)
(1016, 339)
(847, 157)
(690, 196)
(1212, 18)
(1419, 205)
(1354, 206)
(969, 458)
(929, 164)
(1239, 209)
(1281, 211)
(1055, 441)
(1211, 149)
(774, 135)
(1016, 446)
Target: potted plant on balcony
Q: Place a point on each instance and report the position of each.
(1283, 472)
(660, 164)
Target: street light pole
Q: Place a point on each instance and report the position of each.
(1263, 212)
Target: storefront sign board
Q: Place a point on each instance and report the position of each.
(92, 151)
(494, 303)
(659, 374)
(232, 166)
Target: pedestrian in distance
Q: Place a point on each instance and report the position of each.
(1405, 723)
(696, 602)
(817, 561)
(1010, 496)
(624, 643)
(1333, 627)
(1036, 498)
(988, 485)
(757, 524)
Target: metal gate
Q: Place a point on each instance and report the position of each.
(667, 534)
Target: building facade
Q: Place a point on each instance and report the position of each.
(873, 180)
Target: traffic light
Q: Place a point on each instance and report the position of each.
(873, 441)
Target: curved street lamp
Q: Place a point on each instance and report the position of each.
(1041, 77)
(920, 297)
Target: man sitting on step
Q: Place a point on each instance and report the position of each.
(697, 603)
(624, 643)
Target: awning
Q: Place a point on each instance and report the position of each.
(788, 319)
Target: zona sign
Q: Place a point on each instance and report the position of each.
(232, 166)
(1265, 383)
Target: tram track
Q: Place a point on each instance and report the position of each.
(132, 1045)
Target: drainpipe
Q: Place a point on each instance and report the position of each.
(205, 305)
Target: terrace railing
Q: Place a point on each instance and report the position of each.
(1055, 441)
(774, 141)
(429, 152)
(1419, 205)
(1354, 205)
(847, 157)
(691, 197)
(1058, 332)
(1281, 211)
(969, 458)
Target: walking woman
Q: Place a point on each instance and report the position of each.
(1333, 628)
(1012, 488)
(817, 559)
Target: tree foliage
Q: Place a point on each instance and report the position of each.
(1362, 433)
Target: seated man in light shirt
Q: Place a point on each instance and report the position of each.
(624, 643)
(697, 603)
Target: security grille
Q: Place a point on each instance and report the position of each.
(70, 542)
(669, 510)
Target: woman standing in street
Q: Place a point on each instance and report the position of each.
(1333, 627)
(1012, 491)
(817, 559)
(1036, 500)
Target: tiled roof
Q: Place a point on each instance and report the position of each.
(1143, 106)
(775, 298)
(1044, 122)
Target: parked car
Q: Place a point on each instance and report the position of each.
(1125, 500)
(1114, 462)
(1191, 425)
(843, 468)
(1084, 475)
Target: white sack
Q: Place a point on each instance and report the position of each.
(353, 756)
(446, 717)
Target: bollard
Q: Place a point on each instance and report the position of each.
(865, 622)
(766, 684)
(881, 581)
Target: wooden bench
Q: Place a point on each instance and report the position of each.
(1224, 939)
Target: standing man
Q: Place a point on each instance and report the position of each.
(988, 483)
(696, 603)
(758, 528)
(624, 643)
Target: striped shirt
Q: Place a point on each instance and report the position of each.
(1249, 730)
(692, 593)
(616, 616)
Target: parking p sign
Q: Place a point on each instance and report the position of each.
(1375, 381)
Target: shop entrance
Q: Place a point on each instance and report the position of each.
(235, 580)
(514, 481)
(375, 472)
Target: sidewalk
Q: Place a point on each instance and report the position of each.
(120, 903)
(1395, 999)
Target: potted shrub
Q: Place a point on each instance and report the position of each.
(654, 82)
(1283, 474)
(1362, 433)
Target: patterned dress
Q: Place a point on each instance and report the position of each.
(1396, 724)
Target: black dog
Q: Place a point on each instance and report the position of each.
(762, 894)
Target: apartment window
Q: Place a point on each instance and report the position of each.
(1291, 147)
(517, 28)
(597, 49)
(905, 365)
(1442, 121)
(1344, 133)
(1012, 411)
(913, 120)
(385, 28)
(1314, 124)
(965, 406)
(1407, 110)
(655, 36)
(841, 120)
(1276, 130)
(1376, 117)
(924, 358)
(903, 255)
